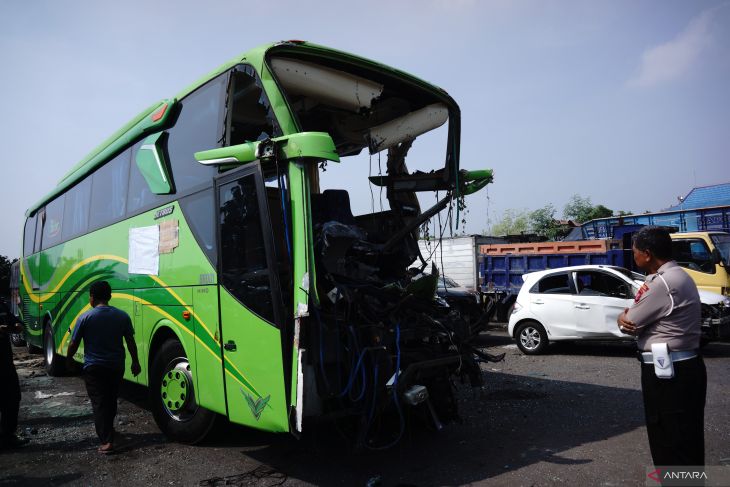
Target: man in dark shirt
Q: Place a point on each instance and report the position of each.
(102, 329)
(9, 385)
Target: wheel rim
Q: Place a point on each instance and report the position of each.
(176, 390)
(50, 346)
(530, 338)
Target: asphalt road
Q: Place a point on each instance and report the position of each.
(574, 417)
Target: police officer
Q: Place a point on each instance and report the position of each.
(666, 310)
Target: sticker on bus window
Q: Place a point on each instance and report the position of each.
(144, 253)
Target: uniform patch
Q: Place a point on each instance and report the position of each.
(641, 292)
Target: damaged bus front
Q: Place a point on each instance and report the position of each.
(370, 340)
(256, 293)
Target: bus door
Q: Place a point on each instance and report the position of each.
(251, 311)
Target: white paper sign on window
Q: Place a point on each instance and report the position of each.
(144, 253)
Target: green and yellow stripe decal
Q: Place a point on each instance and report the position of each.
(230, 368)
(39, 298)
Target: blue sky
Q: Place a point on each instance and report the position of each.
(625, 102)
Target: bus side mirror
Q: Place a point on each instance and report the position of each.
(150, 159)
(473, 181)
(315, 145)
(716, 256)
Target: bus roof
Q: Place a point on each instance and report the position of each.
(146, 123)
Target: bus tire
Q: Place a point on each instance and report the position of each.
(52, 361)
(172, 391)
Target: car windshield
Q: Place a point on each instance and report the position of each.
(722, 242)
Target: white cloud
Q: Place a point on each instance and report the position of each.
(672, 59)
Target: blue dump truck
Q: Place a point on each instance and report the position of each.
(703, 254)
(501, 266)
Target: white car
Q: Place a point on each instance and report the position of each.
(576, 303)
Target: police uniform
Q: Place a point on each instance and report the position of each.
(667, 310)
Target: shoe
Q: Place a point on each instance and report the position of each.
(12, 442)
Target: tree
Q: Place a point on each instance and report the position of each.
(543, 223)
(5, 275)
(513, 222)
(581, 210)
(600, 211)
(578, 209)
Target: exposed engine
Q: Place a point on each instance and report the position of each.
(384, 345)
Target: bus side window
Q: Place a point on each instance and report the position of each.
(199, 211)
(39, 230)
(199, 126)
(251, 117)
(53, 222)
(76, 210)
(29, 235)
(109, 191)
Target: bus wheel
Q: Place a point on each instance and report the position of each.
(174, 404)
(53, 362)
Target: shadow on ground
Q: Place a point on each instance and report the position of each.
(32, 481)
(513, 422)
(596, 348)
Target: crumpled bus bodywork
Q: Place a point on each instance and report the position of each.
(374, 341)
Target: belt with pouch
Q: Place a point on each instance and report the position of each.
(648, 357)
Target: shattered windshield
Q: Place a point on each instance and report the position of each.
(395, 138)
(360, 108)
(391, 136)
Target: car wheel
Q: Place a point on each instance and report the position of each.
(52, 361)
(174, 404)
(531, 338)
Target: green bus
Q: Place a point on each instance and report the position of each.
(255, 294)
